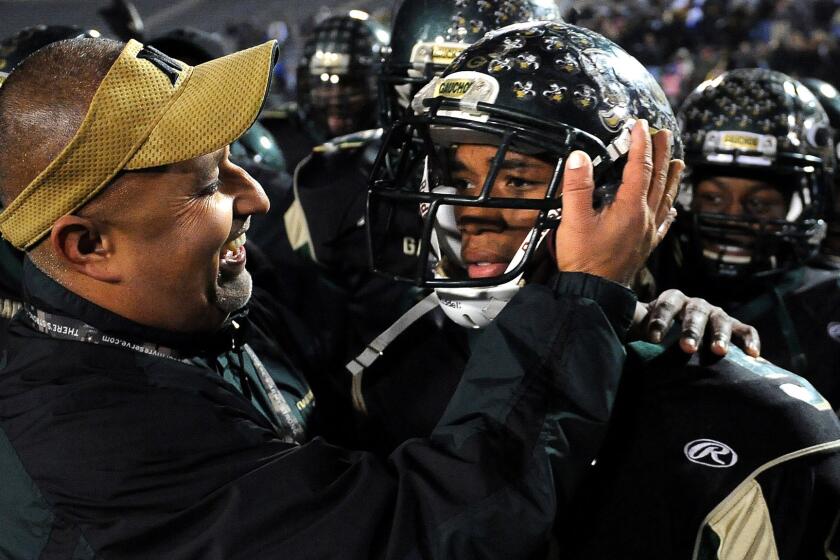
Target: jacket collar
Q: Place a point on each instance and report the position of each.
(48, 295)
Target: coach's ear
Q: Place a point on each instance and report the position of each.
(79, 245)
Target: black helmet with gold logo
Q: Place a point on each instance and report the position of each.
(537, 89)
(761, 126)
(429, 34)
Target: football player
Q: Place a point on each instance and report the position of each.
(761, 165)
(708, 457)
(336, 85)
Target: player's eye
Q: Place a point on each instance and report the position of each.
(462, 184)
(520, 183)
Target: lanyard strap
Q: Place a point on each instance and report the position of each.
(66, 328)
(279, 404)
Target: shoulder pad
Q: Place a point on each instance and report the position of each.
(736, 369)
(792, 385)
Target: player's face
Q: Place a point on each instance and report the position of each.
(491, 236)
(340, 103)
(738, 198)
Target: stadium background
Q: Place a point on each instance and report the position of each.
(681, 41)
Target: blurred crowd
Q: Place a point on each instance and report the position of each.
(684, 42)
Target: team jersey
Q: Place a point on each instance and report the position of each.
(711, 458)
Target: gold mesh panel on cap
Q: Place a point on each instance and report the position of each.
(221, 92)
(139, 118)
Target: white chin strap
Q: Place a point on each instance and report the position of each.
(473, 308)
(476, 308)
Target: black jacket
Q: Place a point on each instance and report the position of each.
(107, 452)
(710, 458)
(795, 313)
(645, 498)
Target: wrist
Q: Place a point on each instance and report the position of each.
(616, 301)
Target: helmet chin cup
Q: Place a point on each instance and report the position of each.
(475, 308)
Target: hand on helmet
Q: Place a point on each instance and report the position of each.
(700, 321)
(613, 242)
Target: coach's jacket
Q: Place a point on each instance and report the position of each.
(116, 450)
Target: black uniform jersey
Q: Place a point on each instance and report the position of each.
(663, 487)
(294, 136)
(325, 225)
(711, 458)
(330, 191)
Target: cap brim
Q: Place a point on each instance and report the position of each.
(219, 102)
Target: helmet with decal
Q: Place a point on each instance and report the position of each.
(766, 127)
(429, 34)
(526, 96)
(336, 76)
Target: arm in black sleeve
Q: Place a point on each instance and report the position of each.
(538, 392)
(531, 410)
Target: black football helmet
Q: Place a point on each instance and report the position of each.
(429, 34)
(336, 77)
(764, 125)
(542, 89)
(15, 48)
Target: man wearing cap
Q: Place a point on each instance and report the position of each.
(135, 420)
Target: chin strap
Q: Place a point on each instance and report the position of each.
(620, 144)
(375, 349)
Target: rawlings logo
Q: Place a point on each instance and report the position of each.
(710, 453)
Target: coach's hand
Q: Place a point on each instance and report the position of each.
(613, 242)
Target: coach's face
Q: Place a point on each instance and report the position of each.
(178, 236)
